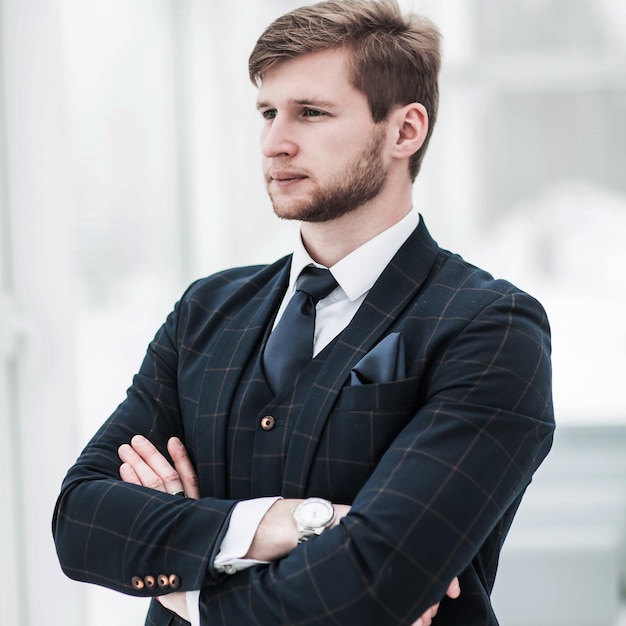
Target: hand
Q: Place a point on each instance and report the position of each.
(277, 534)
(454, 591)
(177, 603)
(143, 464)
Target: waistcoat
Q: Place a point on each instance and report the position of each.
(260, 426)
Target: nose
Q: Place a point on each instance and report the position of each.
(277, 138)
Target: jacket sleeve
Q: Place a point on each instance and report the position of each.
(119, 535)
(445, 489)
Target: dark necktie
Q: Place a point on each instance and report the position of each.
(290, 345)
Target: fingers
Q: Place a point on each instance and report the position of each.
(427, 618)
(454, 589)
(433, 610)
(184, 467)
(128, 475)
(149, 466)
(144, 465)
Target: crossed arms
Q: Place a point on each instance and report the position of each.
(276, 535)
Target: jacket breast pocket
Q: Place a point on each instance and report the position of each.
(395, 395)
(365, 421)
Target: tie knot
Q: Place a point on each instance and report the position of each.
(317, 282)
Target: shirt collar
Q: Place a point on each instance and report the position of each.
(357, 272)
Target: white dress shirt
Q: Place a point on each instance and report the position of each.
(356, 273)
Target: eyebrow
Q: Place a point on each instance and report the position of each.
(301, 102)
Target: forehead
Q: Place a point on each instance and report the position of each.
(319, 76)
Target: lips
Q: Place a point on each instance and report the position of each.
(284, 177)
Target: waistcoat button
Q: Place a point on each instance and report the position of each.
(268, 422)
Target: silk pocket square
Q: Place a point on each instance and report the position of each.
(383, 364)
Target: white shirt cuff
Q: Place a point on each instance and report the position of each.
(242, 527)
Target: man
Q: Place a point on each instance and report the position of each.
(416, 426)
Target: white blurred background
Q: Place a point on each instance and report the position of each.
(129, 166)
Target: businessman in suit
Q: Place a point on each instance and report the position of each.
(353, 487)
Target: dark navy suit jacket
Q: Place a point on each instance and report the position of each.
(434, 463)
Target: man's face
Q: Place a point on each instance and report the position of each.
(323, 155)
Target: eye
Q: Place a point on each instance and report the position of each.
(269, 114)
(312, 113)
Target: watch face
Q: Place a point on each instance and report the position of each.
(314, 512)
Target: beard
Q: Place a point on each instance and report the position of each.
(358, 183)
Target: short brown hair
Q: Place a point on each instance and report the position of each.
(395, 58)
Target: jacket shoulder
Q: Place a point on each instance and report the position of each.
(474, 283)
(243, 281)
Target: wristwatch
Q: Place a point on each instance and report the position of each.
(313, 516)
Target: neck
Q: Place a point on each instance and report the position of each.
(329, 242)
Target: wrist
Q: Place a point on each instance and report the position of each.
(277, 534)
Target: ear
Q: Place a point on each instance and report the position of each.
(411, 128)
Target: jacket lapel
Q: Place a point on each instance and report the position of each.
(395, 289)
